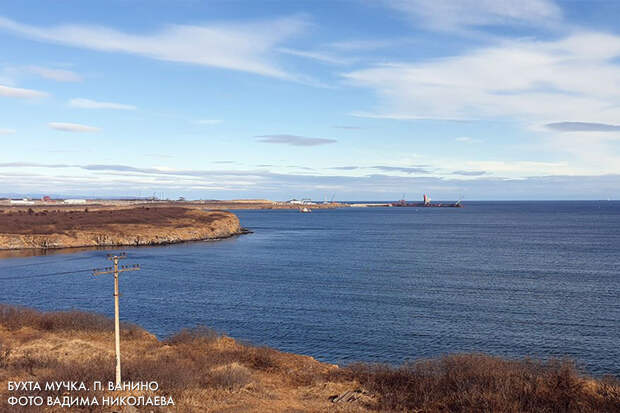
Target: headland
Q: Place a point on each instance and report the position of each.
(45, 227)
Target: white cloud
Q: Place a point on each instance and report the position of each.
(467, 139)
(317, 55)
(455, 15)
(93, 104)
(403, 116)
(127, 180)
(519, 169)
(15, 92)
(582, 127)
(245, 47)
(72, 127)
(294, 140)
(573, 79)
(7, 131)
(59, 75)
(357, 45)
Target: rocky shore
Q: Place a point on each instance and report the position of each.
(45, 229)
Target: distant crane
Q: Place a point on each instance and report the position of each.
(331, 201)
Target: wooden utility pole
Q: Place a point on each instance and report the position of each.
(117, 333)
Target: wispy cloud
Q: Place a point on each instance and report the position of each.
(347, 127)
(466, 139)
(33, 165)
(124, 179)
(317, 55)
(404, 115)
(345, 168)
(415, 169)
(6, 131)
(246, 47)
(582, 127)
(72, 127)
(469, 173)
(15, 92)
(402, 169)
(93, 104)
(570, 78)
(59, 75)
(361, 45)
(294, 140)
(304, 168)
(447, 15)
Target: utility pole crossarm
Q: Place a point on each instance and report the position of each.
(116, 269)
(122, 268)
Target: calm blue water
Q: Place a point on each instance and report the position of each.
(379, 284)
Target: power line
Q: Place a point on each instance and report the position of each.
(43, 263)
(21, 277)
(28, 276)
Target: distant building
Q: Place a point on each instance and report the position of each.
(21, 202)
(305, 201)
(46, 198)
(74, 201)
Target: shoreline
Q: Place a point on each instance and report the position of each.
(211, 205)
(118, 227)
(38, 252)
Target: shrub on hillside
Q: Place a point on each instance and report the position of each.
(480, 383)
(14, 318)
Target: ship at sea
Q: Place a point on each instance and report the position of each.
(427, 204)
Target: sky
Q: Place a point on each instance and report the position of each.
(344, 99)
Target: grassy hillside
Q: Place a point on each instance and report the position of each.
(206, 372)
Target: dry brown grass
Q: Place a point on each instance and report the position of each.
(61, 220)
(481, 383)
(15, 318)
(206, 371)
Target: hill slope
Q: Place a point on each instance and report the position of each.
(206, 372)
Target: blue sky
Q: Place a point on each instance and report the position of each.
(480, 99)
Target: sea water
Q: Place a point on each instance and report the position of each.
(514, 279)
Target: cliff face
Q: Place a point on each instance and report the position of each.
(136, 226)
